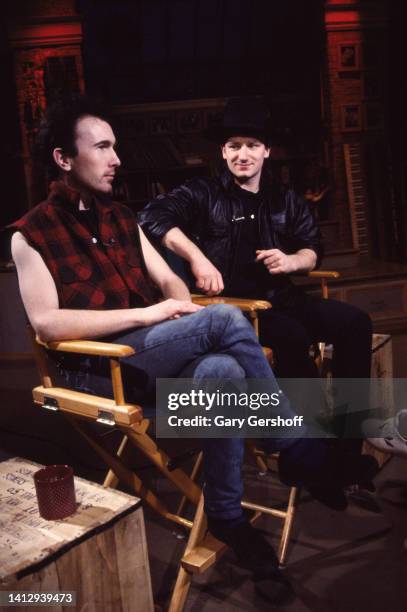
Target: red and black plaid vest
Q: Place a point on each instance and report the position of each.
(88, 274)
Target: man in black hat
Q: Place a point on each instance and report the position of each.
(243, 234)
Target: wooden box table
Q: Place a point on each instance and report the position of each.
(99, 552)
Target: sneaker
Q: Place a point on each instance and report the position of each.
(389, 437)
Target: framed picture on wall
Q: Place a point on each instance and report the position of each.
(348, 56)
(351, 117)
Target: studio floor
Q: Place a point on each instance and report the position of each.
(353, 561)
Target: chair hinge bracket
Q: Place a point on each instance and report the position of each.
(105, 417)
(50, 403)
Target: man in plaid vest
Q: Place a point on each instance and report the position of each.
(86, 270)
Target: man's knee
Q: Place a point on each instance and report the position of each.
(356, 323)
(218, 366)
(226, 311)
(225, 316)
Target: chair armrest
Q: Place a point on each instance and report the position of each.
(246, 305)
(324, 274)
(89, 347)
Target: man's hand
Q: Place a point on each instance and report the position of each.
(277, 262)
(208, 278)
(168, 309)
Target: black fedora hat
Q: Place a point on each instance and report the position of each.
(243, 116)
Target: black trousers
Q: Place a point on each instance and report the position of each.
(290, 328)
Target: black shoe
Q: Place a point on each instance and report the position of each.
(321, 463)
(248, 544)
(257, 555)
(308, 462)
(356, 469)
(276, 589)
(330, 496)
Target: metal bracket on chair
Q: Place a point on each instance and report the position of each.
(50, 403)
(105, 417)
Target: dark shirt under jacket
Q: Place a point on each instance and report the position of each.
(243, 281)
(250, 278)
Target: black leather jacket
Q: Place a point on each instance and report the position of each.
(207, 210)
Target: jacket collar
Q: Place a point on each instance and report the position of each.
(267, 185)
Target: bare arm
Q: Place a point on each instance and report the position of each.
(170, 284)
(277, 262)
(40, 298)
(208, 278)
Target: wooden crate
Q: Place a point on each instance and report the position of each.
(99, 552)
(382, 372)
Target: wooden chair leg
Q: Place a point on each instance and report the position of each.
(288, 523)
(184, 578)
(258, 456)
(111, 479)
(193, 476)
(288, 514)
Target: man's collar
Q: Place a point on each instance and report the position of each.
(268, 187)
(226, 178)
(229, 183)
(63, 195)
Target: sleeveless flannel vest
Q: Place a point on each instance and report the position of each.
(107, 274)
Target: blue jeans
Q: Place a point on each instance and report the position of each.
(215, 342)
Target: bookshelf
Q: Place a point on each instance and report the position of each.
(162, 145)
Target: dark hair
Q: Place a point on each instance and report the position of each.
(57, 127)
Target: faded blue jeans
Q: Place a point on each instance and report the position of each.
(215, 342)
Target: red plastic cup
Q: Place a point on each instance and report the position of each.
(55, 491)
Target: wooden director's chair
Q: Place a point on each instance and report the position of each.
(202, 549)
(323, 276)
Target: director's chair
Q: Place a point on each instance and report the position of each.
(83, 409)
(202, 553)
(253, 314)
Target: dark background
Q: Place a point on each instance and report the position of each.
(145, 51)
